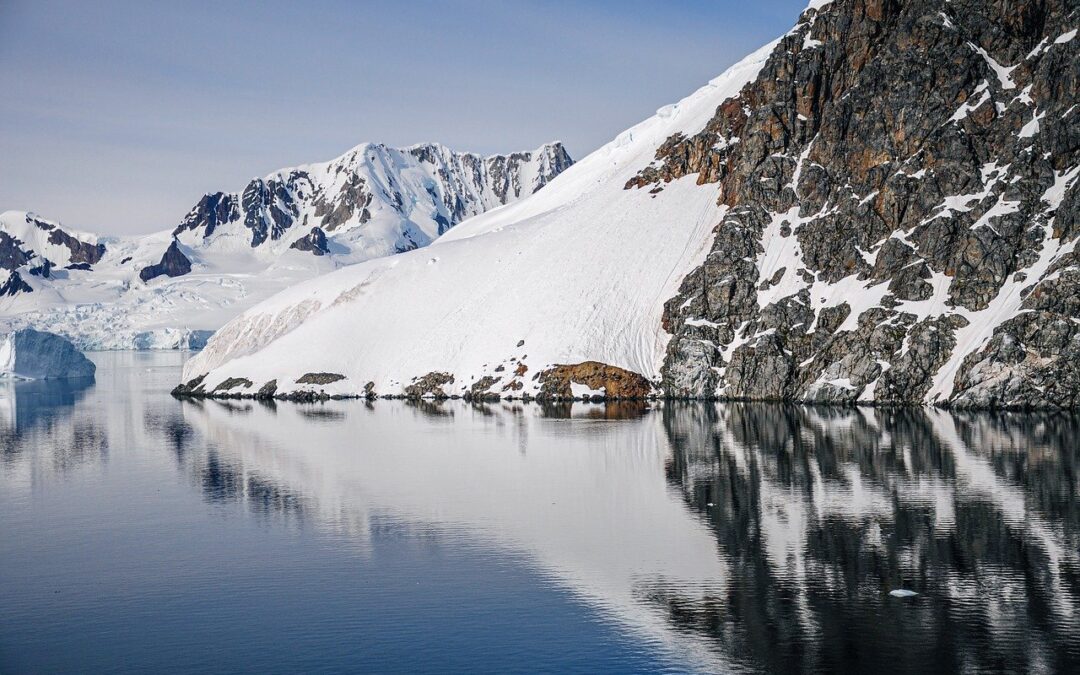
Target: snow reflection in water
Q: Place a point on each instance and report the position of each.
(729, 537)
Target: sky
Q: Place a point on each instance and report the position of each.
(115, 117)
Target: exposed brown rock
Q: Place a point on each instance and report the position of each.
(616, 382)
(233, 383)
(430, 385)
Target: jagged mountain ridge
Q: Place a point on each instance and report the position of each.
(894, 193)
(374, 199)
(171, 289)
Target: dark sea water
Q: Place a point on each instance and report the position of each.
(143, 534)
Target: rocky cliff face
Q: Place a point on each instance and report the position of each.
(901, 193)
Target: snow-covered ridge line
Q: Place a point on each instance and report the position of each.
(374, 199)
(172, 289)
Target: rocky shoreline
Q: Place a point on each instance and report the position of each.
(430, 389)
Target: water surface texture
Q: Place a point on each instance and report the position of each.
(141, 533)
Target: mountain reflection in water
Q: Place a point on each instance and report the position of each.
(739, 537)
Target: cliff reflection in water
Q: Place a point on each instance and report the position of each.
(752, 536)
(733, 537)
(822, 512)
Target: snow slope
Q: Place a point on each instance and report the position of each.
(577, 272)
(290, 226)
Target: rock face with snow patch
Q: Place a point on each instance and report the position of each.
(314, 242)
(173, 264)
(901, 185)
(39, 355)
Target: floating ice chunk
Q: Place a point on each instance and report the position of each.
(38, 355)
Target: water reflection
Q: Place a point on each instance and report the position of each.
(735, 537)
(822, 512)
(750, 536)
(38, 423)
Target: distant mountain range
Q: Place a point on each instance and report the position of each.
(172, 289)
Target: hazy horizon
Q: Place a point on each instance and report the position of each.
(118, 117)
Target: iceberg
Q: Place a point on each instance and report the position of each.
(38, 355)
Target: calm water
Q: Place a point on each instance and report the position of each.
(140, 533)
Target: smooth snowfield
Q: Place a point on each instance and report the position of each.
(579, 271)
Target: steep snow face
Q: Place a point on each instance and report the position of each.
(578, 272)
(172, 289)
(38, 355)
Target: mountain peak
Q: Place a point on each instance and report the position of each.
(374, 199)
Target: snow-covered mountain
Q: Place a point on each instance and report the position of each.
(172, 289)
(880, 206)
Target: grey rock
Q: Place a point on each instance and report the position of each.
(891, 152)
(314, 242)
(173, 264)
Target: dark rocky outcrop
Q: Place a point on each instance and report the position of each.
(173, 264)
(13, 285)
(269, 207)
(314, 242)
(13, 255)
(44, 270)
(233, 383)
(320, 378)
(481, 389)
(192, 388)
(896, 169)
(211, 211)
(81, 252)
(430, 386)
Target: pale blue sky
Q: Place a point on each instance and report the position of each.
(118, 116)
